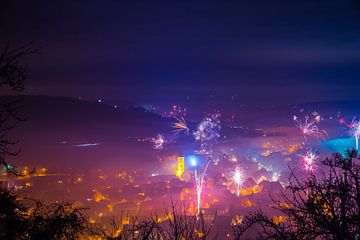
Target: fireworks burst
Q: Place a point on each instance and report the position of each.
(309, 161)
(208, 130)
(158, 142)
(309, 165)
(354, 127)
(176, 111)
(238, 179)
(356, 133)
(180, 126)
(309, 129)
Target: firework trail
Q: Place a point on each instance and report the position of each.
(309, 129)
(158, 142)
(309, 165)
(356, 133)
(199, 182)
(180, 126)
(238, 179)
(207, 132)
(354, 127)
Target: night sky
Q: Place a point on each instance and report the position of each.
(158, 52)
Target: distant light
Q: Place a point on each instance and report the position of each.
(87, 145)
(115, 106)
(193, 161)
(99, 100)
(233, 159)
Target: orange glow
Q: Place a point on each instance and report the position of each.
(110, 207)
(237, 220)
(266, 153)
(262, 178)
(267, 145)
(185, 194)
(251, 190)
(293, 148)
(247, 203)
(278, 219)
(98, 196)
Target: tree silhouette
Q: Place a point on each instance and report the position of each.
(176, 225)
(38, 221)
(13, 73)
(11, 221)
(328, 209)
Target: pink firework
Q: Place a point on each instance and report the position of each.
(350, 125)
(309, 129)
(309, 161)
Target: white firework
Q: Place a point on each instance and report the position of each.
(238, 179)
(208, 130)
(309, 129)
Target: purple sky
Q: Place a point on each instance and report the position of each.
(171, 51)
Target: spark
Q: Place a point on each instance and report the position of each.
(199, 177)
(354, 127)
(309, 128)
(158, 142)
(180, 126)
(238, 179)
(199, 182)
(309, 165)
(233, 159)
(309, 161)
(353, 123)
(208, 130)
(176, 111)
(356, 133)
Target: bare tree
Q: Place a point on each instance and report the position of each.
(11, 220)
(125, 227)
(38, 221)
(176, 225)
(56, 221)
(326, 207)
(13, 73)
(181, 225)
